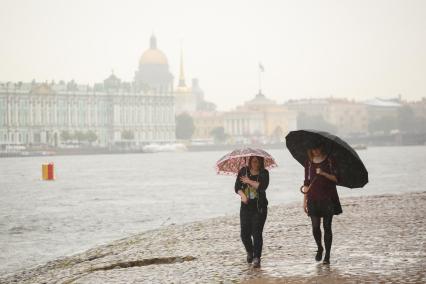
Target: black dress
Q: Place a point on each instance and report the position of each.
(323, 199)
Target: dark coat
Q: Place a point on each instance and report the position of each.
(263, 179)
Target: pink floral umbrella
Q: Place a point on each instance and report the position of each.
(232, 162)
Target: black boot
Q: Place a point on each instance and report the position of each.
(318, 256)
(256, 262)
(326, 258)
(249, 257)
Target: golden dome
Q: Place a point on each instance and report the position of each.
(153, 55)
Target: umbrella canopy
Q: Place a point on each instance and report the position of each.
(231, 163)
(352, 172)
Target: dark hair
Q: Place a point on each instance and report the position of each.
(318, 145)
(261, 162)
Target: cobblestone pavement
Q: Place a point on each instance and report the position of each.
(377, 239)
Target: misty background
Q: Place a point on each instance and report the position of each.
(309, 49)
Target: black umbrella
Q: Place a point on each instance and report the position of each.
(352, 172)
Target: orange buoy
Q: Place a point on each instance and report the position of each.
(48, 171)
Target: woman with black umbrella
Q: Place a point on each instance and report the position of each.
(320, 196)
(328, 161)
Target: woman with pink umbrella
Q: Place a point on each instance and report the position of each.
(251, 184)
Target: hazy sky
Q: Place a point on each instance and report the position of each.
(357, 49)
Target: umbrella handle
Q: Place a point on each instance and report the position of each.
(309, 187)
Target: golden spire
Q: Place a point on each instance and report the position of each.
(181, 75)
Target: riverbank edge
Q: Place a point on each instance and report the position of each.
(115, 247)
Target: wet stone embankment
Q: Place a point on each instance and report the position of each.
(377, 239)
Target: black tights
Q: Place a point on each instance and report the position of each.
(328, 234)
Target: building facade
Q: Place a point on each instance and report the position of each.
(348, 117)
(205, 122)
(114, 112)
(419, 108)
(261, 119)
(378, 108)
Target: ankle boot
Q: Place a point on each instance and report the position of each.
(318, 256)
(256, 262)
(249, 257)
(326, 258)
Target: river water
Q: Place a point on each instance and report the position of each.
(99, 198)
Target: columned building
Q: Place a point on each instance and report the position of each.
(261, 119)
(113, 112)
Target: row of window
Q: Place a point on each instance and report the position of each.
(26, 137)
(83, 117)
(132, 116)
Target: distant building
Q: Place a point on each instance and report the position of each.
(185, 100)
(131, 113)
(419, 108)
(260, 119)
(311, 107)
(190, 99)
(205, 122)
(153, 74)
(201, 103)
(117, 112)
(378, 108)
(348, 117)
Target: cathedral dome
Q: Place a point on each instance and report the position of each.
(153, 55)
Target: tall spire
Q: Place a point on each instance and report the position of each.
(181, 75)
(153, 42)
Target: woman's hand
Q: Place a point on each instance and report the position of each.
(326, 175)
(245, 179)
(244, 198)
(250, 182)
